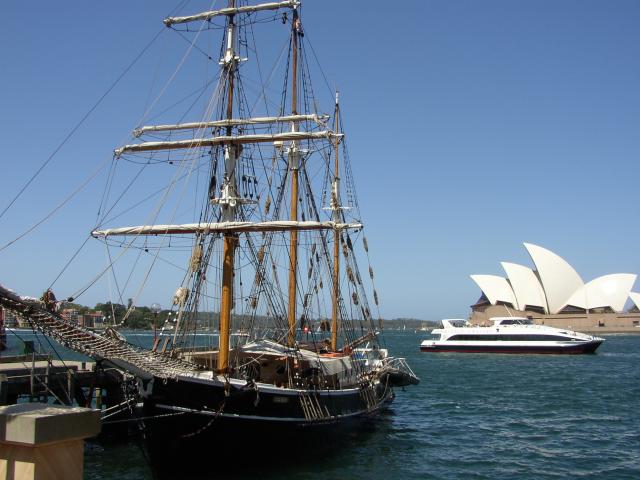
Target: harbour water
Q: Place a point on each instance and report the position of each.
(473, 416)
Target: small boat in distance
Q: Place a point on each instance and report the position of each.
(508, 335)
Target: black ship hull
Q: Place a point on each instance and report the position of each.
(187, 415)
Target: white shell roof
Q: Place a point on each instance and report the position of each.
(525, 285)
(555, 284)
(559, 280)
(635, 298)
(606, 291)
(496, 289)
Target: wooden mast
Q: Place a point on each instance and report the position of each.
(293, 261)
(335, 205)
(294, 159)
(228, 210)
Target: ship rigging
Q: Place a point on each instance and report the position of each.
(278, 211)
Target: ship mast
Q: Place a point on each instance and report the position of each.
(294, 165)
(232, 144)
(335, 207)
(228, 203)
(229, 198)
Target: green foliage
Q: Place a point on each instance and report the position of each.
(409, 323)
(143, 318)
(139, 318)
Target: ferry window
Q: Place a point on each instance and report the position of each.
(508, 338)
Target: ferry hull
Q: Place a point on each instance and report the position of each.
(582, 348)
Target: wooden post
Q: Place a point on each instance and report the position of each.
(4, 389)
(46, 379)
(39, 441)
(32, 377)
(71, 387)
(335, 201)
(293, 167)
(230, 240)
(230, 243)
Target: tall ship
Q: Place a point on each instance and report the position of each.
(508, 335)
(256, 211)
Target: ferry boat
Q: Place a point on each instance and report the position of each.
(508, 335)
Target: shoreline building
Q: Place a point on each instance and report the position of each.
(554, 294)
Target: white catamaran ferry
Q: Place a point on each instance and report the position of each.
(508, 335)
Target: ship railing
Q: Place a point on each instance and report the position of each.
(400, 364)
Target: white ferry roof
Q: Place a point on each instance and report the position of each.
(454, 322)
(511, 321)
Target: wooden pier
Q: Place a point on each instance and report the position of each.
(39, 378)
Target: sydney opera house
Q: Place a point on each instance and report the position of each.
(552, 293)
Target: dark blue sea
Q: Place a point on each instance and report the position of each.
(473, 416)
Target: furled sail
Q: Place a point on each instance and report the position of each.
(225, 139)
(231, 11)
(221, 227)
(319, 119)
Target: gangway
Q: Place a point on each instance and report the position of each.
(144, 364)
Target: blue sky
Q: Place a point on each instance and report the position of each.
(473, 126)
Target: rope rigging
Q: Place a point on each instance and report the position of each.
(262, 179)
(81, 121)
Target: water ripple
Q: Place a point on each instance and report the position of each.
(481, 417)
